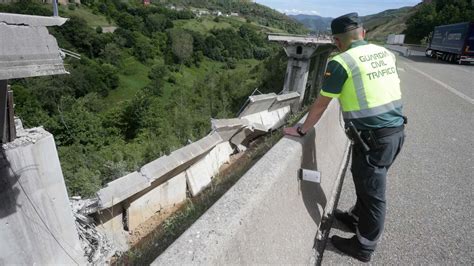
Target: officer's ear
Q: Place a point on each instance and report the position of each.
(337, 42)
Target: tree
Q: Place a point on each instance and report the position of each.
(181, 45)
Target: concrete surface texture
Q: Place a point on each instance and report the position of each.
(37, 225)
(430, 186)
(164, 196)
(121, 189)
(258, 103)
(111, 224)
(26, 47)
(269, 216)
(283, 100)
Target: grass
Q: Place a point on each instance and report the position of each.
(203, 26)
(86, 13)
(134, 76)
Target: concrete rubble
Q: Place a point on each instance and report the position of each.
(97, 248)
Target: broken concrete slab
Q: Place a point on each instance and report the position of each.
(164, 196)
(226, 128)
(244, 136)
(254, 118)
(199, 175)
(283, 100)
(270, 119)
(219, 156)
(27, 51)
(121, 189)
(159, 167)
(258, 103)
(228, 123)
(110, 223)
(30, 20)
(209, 141)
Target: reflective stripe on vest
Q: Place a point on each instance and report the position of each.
(373, 86)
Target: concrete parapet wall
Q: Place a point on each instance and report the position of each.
(129, 201)
(36, 221)
(164, 196)
(122, 188)
(270, 216)
(258, 103)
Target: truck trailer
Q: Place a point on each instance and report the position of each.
(453, 43)
(396, 39)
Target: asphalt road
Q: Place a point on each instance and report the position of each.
(430, 186)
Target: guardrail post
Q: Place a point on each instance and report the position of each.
(3, 112)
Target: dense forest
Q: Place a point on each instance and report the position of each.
(150, 86)
(439, 12)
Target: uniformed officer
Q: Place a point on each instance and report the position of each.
(364, 78)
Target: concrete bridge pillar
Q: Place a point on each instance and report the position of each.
(36, 220)
(301, 50)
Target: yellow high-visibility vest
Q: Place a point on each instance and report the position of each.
(372, 86)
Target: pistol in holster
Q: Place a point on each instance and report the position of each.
(354, 135)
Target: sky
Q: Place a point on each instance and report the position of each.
(335, 8)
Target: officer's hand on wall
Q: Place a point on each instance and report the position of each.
(291, 131)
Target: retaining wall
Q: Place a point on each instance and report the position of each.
(269, 216)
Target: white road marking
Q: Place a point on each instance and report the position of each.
(444, 85)
(400, 69)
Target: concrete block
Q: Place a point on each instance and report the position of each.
(258, 103)
(244, 136)
(122, 188)
(35, 213)
(219, 156)
(179, 158)
(270, 119)
(226, 128)
(228, 123)
(198, 176)
(110, 223)
(254, 118)
(163, 196)
(159, 167)
(209, 141)
(287, 99)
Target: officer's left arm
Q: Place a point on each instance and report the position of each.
(315, 113)
(334, 79)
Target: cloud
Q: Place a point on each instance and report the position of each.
(295, 11)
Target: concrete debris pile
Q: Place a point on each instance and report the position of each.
(97, 249)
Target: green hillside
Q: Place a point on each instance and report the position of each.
(150, 86)
(392, 21)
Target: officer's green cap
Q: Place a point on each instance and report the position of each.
(345, 23)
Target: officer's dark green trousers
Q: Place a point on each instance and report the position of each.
(369, 172)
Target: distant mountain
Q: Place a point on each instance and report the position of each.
(314, 22)
(378, 26)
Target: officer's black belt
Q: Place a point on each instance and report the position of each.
(383, 132)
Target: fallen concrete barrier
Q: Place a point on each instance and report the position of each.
(270, 216)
